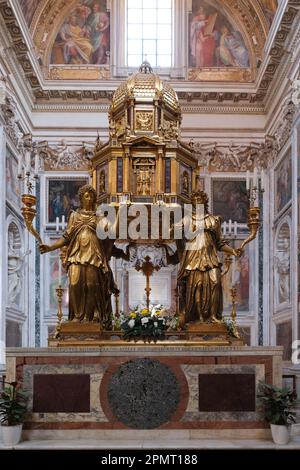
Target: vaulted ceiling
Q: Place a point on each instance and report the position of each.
(251, 39)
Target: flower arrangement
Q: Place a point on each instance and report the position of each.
(231, 327)
(147, 324)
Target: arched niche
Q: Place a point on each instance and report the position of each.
(15, 262)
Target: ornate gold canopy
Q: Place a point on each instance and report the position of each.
(144, 160)
(145, 85)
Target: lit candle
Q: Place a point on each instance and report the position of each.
(248, 180)
(63, 222)
(235, 229)
(20, 165)
(233, 271)
(262, 181)
(57, 224)
(59, 270)
(229, 227)
(36, 164)
(28, 161)
(255, 178)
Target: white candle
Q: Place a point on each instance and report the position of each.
(248, 180)
(255, 178)
(262, 181)
(36, 164)
(57, 224)
(235, 229)
(224, 228)
(233, 271)
(63, 222)
(20, 165)
(28, 161)
(59, 270)
(229, 226)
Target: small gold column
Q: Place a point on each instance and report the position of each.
(159, 182)
(94, 179)
(126, 176)
(112, 182)
(174, 176)
(131, 116)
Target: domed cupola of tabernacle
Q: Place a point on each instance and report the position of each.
(144, 159)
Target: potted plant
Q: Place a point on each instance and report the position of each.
(13, 408)
(278, 404)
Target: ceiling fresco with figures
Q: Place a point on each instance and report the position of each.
(226, 38)
(70, 42)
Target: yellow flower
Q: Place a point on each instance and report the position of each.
(158, 312)
(145, 311)
(132, 315)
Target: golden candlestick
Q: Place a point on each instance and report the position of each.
(233, 293)
(59, 294)
(227, 264)
(117, 312)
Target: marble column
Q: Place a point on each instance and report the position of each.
(3, 274)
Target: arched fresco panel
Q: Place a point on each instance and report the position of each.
(215, 40)
(84, 36)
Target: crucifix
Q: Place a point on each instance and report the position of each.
(147, 269)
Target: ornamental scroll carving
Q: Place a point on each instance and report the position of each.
(11, 119)
(234, 157)
(65, 157)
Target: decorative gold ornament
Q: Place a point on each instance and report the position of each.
(253, 224)
(29, 213)
(233, 293)
(144, 121)
(59, 294)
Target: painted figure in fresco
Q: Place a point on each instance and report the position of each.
(283, 184)
(29, 7)
(77, 46)
(98, 23)
(203, 38)
(91, 280)
(200, 267)
(57, 206)
(269, 7)
(232, 50)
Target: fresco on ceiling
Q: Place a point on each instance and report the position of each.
(214, 40)
(28, 8)
(84, 37)
(269, 8)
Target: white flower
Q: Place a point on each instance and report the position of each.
(144, 320)
(155, 324)
(131, 323)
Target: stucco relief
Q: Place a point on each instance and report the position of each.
(282, 265)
